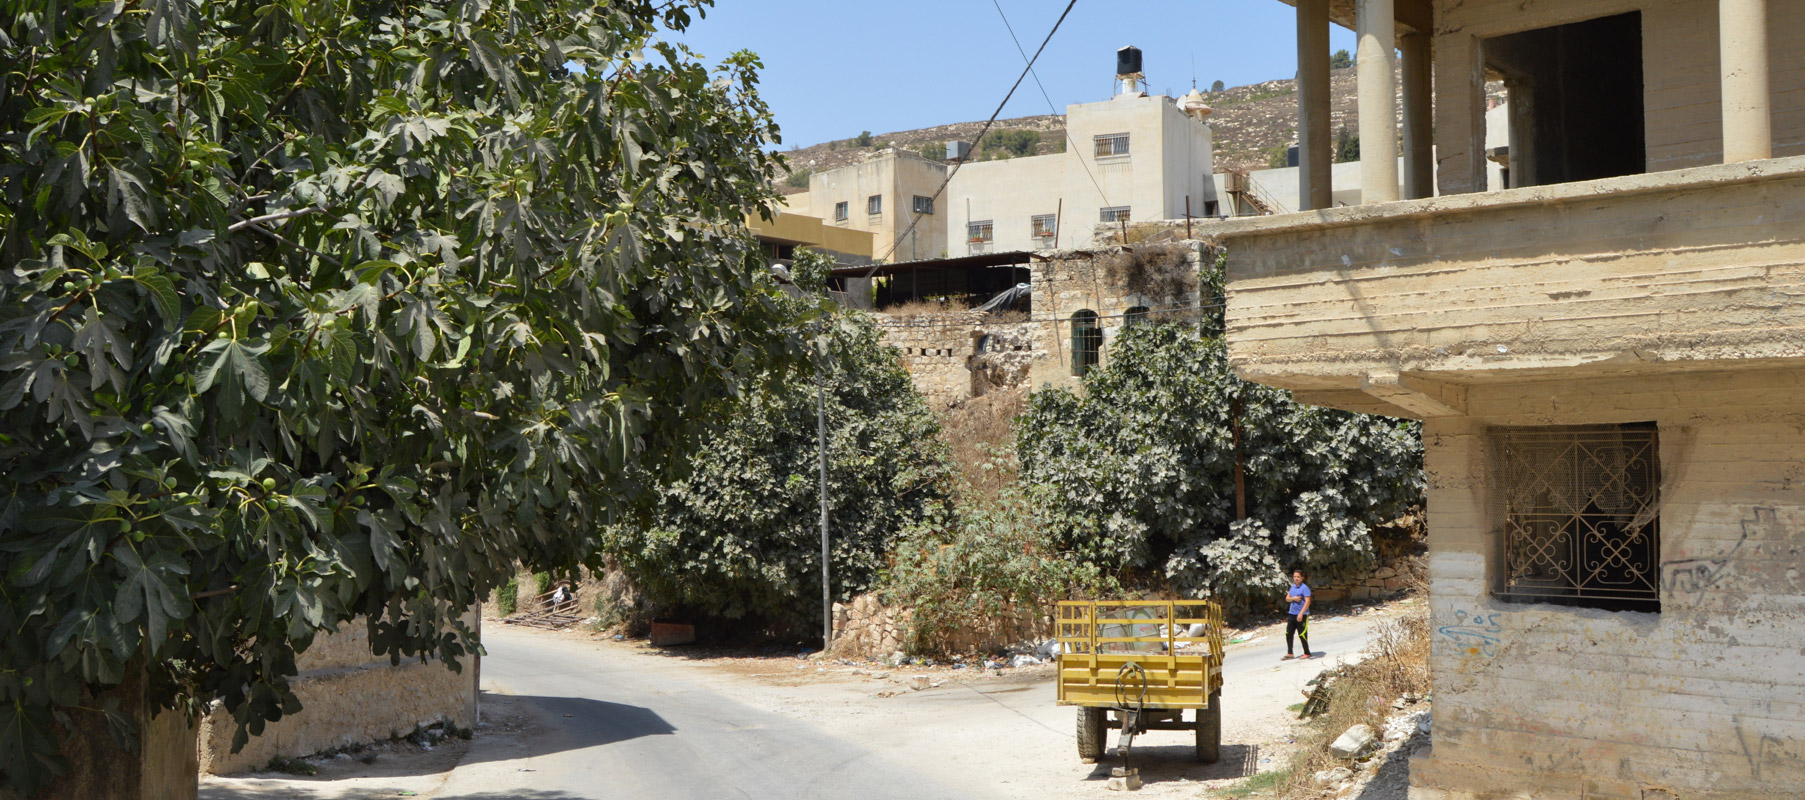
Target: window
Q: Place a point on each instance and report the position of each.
(1135, 316)
(1576, 95)
(977, 232)
(840, 211)
(1112, 144)
(874, 204)
(1087, 342)
(1581, 520)
(924, 205)
(1042, 226)
(1113, 214)
(1211, 208)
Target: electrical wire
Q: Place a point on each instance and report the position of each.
(980, 137)
(1065, 131)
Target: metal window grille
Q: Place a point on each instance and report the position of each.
(1135, 316)
(1581, 516)
(1087, 342)
(979, 231)
(924, 205)
(1043, 225)
(874, 204)
(840, 211)
(1113, 214)
(1112, 144)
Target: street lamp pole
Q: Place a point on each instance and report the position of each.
(827, 600)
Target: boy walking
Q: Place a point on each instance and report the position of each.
(1297, 620)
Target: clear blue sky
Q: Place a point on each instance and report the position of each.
(836, 67)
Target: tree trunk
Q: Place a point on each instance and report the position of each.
(165, 767)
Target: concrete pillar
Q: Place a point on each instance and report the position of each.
(1742, 38)
(1419, 115)
(1315, 154)
(1376, 27)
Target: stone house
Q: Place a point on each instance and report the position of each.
(1607, 350)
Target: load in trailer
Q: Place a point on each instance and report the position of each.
(1141, 665)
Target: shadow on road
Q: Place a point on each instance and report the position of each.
(1179, 762)
(560, 724)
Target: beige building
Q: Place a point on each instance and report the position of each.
(884, 194)
(1609, 360)
(1129, 159)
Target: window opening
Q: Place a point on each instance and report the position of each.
(1112, 144)
(1575, 95)
(924, 205)
(1581, 516)
(1113, 214)
(1042, 226)
(978, 232)
(840, 211)
(1087, 342)
(1211, 208)
(1135, 316)
(874, 204)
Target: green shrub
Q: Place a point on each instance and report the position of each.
(864, 139)
(507, 598)
(798, 179)
(1137, 471)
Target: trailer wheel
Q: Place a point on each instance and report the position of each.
(1090, 733)
(1209, 730)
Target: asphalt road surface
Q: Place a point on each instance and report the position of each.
(617, 727)
(612, 723)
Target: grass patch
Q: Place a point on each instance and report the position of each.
(1258, 784)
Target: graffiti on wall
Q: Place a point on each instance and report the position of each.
(1694, 575)
(1769, 756)
(1473, 633)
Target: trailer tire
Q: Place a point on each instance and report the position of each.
(1209, 730)
(1091, 733)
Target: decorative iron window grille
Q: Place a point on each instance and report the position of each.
(1087, 342)
(1112, 144)
(1581, 516)
(1113, 214)
(1041, 225)
(979, 232)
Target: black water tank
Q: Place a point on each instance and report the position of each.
(1128, 61)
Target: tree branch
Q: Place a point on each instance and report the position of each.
(276, 217)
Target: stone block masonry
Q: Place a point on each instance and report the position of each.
(957, 355)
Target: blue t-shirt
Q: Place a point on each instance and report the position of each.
(1299, 591)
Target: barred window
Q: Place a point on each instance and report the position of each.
(924, 205)
(1113, 214)
(979, 232)
(1581, 516)
(1042, 225)
(1112, 144)
(1136, 315)
(1087, 342)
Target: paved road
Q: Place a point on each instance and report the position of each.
(616, 725)
(616, 731)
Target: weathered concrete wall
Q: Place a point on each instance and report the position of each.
(1072, 281)
(1689, 268)
(348, 697)
(1682, 88)
(1704, 700)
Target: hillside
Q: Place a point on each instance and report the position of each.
(1249, 121)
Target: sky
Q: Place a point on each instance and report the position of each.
(836, 67)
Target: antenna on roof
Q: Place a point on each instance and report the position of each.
(1193, 70)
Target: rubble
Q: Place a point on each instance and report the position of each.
(1353, 742)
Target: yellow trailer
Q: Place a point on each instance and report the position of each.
(1139, 665)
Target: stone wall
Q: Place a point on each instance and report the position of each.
(348, 697)
(1703, 700)
(957, 355)
(1078, 280)
(866, 628)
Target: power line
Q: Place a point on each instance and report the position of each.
(1067, 130)
(980, 137)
